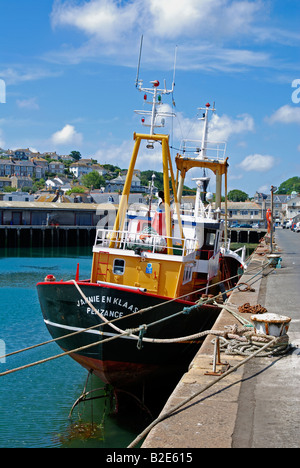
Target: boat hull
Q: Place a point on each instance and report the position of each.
(120, 362)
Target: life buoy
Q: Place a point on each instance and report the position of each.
(144, 236)
(269, 219)
(149, 237)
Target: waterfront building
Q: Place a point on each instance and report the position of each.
(293, 209)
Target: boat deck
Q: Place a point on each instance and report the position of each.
(257, 406)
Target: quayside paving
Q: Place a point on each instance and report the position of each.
(258, 405)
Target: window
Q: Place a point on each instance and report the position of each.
(119, 266)
(210, 238)
(188, 273)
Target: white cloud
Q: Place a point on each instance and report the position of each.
(221, 127)
(203, 29)
(2, 142)
(30, 104)
(105, 19)
(19, 74)
(197, 17)
(110, 19)
(67, 135)
(286, 114)
(264, 189)
(258, 163)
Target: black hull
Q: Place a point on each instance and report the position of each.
(119, 362)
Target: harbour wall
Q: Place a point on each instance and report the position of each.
(246, 235)
(45, 224)
(47, 236)
(83, 236)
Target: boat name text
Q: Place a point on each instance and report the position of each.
(115, 301)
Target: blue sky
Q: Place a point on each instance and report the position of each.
(70, 67)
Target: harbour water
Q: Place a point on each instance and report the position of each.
(35, 402)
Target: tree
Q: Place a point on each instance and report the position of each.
(289, 186)
(93, 179)
(75, 155)
(237, 196)
(158, 181)
(75, 189)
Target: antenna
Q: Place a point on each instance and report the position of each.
(139, 62)
(175, 58)
(156, 100)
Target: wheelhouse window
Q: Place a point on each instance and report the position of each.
(119, 266)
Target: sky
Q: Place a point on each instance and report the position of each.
(68, 73)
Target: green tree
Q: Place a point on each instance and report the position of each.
(75, 189)
(237, 196)
(75, 155)
(289, 186)
(93, 179)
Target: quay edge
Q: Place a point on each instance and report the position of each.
(224, 416)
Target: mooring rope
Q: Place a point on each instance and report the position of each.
(139, 312)
(130, 332)
(244, 342)
(190, 398)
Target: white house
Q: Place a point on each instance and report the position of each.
(293, 207)
(79, 169)
(60, 183)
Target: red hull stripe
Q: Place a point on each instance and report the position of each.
(118, 288)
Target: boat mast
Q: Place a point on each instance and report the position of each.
(202, 151)
(218, 165)
(157, 93)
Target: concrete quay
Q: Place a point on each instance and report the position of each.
(258, 405)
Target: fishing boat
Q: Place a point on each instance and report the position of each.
(141, 313)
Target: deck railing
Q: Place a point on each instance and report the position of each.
(150, 242)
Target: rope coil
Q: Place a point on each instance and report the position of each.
(244, 342)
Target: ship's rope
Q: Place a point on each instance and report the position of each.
(245, 342)
(166, 415)
(105, 321)
(226, 335)
(141, 330)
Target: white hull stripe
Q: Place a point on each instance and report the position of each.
(94, 332)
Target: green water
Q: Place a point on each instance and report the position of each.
(35, 402)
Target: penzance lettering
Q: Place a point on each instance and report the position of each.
(107, 311)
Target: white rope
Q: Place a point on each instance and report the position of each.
(129, 332)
